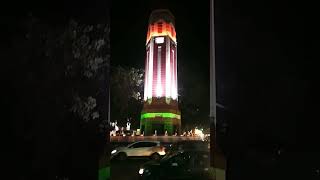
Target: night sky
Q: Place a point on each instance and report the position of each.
(57, 11)
(129, 21)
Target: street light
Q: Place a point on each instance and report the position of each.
(212, 86)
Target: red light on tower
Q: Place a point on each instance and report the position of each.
(161, 86)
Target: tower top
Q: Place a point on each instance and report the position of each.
(161, 23)
(164, 14)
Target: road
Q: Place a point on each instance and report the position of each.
(163, 139)
(126, 170)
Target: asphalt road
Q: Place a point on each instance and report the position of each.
(127, 169)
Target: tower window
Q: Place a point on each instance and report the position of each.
(159, 40)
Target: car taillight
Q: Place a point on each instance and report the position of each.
(162, 150)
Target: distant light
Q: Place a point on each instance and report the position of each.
(199, 132)
(114, 151)
(279, 151)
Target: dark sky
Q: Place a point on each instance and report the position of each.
(58, 11)
(263, 53)
(129, 21)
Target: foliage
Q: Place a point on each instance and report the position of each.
(84, 108)
(128, 80)
(126, 92)
(87, 67)
(59, 95)
(89, 48)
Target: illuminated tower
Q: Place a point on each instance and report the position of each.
(160, 111)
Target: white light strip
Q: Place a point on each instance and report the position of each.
(176, 72)
(146, 78)
(168, 67)
(173, 89)
(150, 80)
(159, 88)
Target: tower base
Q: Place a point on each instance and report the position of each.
(159, 116)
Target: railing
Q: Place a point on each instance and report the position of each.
(153, 138)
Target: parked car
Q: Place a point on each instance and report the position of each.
(188, 145)
(190, 164)
(152, 149)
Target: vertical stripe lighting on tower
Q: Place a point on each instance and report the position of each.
(161, 60)
(161, 86)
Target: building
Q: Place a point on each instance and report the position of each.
(160, 111)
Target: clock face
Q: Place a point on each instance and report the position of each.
(159, 40)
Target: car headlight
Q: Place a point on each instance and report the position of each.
(162, 153)
(114, 151)
(141, 171)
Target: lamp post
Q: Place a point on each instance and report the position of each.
(213, 142)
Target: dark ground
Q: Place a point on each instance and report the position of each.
(126, 170)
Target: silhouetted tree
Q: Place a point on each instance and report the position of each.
(126, 94)
(58, 87)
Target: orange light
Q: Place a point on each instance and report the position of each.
(161, 28)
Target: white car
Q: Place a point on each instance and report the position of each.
(152, 149)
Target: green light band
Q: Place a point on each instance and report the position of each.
(104, 173)
(162, 115)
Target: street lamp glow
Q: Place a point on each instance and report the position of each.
(199, 133)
